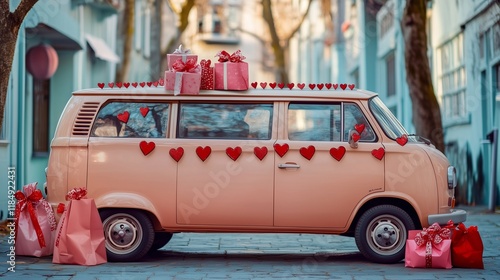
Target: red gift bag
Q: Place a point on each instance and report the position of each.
(80, 235)
(467, 247)
(207, 75)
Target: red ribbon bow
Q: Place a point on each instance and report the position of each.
(29, 201)
(205, 63)
(188, 66)
(429, 237)
(235, 57)
(76, 194)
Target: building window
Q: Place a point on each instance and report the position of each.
(41, 93)
(219, 23)
(387, 21)
(390, 66)
(496, 39)
(452, 79)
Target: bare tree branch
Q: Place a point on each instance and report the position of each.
(296, 29)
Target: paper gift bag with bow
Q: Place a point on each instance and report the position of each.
(207, 75)
(231, 72)
(36, 224)
(185, 78)
(466, 247)
(80, 235)
(429, 248)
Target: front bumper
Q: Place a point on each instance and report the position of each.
(456, 215)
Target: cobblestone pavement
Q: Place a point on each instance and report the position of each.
(260, 256)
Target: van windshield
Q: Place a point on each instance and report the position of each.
(389, 123)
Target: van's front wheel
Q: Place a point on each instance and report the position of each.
(381, 233)
(129, 234)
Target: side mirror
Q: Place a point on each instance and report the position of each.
(353, 138)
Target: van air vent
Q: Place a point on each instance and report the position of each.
(85, 117)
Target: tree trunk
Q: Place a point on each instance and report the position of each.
(9, 30)
(128, 35)
(425, 107)
(279, 53)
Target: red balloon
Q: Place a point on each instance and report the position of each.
(42, 61)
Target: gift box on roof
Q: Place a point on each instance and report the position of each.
(231, 72)
(207, 75)
(429, 248)
(184, 78)
(36, 224)
(181, 54)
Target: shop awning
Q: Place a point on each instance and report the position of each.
(101, 49)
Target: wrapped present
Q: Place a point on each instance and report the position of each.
(185, 78)
(207, 75)
(429, 248)
(80, 235)
(231, 73)
(181, 54)
(466, 247)
(36, 224)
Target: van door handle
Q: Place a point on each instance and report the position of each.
(288, 165)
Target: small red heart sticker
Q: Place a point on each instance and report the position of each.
(272, 85)
(176, 154)
(335, 86)
(149, 84)
(111, 85)
(260, 153)
(126, 85)
(402, 140)
(155, 83)
(235, 153)
(359, 128)
(351, 86)
(320, 86)
(281, 85)
(101, 85)
(124, 116)
(337, 154)
(281, 149)
(142, 84)
(312, 86)
(144, 111)
(134, 84)
(161, 82)
(119, 84)
(308, 152)
(355, 137)
(378, 153)
(203, 152)
(254, 84)
(147, 147)
(343, 86)
(263, 85)
(291, 85)
(301, 85)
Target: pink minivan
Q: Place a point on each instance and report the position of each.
(259, 161)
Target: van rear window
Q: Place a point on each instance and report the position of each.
(131, 119)
(225, 121)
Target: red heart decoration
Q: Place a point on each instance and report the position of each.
(124, 116)
(359, 128)
(320, 86)
(312, 86)
(308, 152)
(378, 153)
(126, 85)
(134, 84)
(355, 137)
(351, 86)
(203, 153)
(272, 85)
(119, 84)
(144, 111)
(155, 84)
(337, 154)
(149, 84)
(301, 86)
(147, 147)
(281, 149)
(343, 86)
(263, 85)
(260, 153)
(335, 86)
(328, 85)
(291, 85)
(176, 154)
(281, 85)
(111, 85)
(142, 84)
(402, 140)
(235, 153)
(254, 84)
(161, 82)
(101, 85)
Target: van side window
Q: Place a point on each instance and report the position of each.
(224, 121)
(130, 119)
(314, 122)
(354, 116)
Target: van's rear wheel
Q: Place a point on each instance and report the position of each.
(129, 234)
(161, 239)
(381, 233)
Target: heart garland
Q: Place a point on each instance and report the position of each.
(147, 147)
(176, 154)
(308, 152)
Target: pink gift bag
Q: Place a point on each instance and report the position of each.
(429, 248)
(231, 73)
(36, 224)
(80, 235)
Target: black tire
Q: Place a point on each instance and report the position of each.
(381, 233)
(129, 234)
(161, 239)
